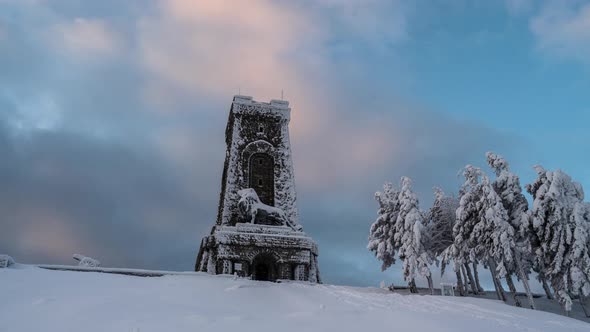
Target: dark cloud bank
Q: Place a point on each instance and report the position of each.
(65, 192)
(137, 186)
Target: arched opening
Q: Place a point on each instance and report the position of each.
(262, 271)
(261, 177)
(264, 267)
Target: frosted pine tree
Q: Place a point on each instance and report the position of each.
(482, 231)
(441, 218)
(466, 218)
(496, 243)
(579, 271)
(383, 230)
(416, 258)
(559, 221)
(537, 232)
(507, 186)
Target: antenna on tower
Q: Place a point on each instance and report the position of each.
(281, 94)
(239, 91)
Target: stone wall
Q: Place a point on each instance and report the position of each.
(294, 255)
(257, 128)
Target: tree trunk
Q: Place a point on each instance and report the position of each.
(476, 275)
(499, 288)
(512, 290)
(460, 283)
(471, 280)
(581, 299)
(496, 285)
(525, 280)
(546, 288)
(430, 284)
(465, 279)
(412, 286)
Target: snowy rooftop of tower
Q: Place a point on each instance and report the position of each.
(247, 105)
(274, 103)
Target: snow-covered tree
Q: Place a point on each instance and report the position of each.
(383, 230)
(481, 230)
(466, 218)
(507, 186)
(416, 259)
(6, 261)
(559, 221)
(498, 246)
(537, 232)
(579, 272)
(441, 220)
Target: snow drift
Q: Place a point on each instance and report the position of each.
(35, 299)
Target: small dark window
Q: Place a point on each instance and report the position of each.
(261, 176)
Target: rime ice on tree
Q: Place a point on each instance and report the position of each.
(257, 232)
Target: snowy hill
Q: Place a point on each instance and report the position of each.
(35, 299)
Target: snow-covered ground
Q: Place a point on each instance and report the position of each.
(35, 299)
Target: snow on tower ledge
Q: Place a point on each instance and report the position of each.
(257, 232)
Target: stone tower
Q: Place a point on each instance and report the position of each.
(257, 232)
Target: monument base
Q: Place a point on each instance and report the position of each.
(262, 252)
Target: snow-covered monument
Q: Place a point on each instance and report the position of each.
(257, 232)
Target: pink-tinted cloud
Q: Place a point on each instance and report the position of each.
(219, 47)
(343, 154)
(47, 233)
(262, 47)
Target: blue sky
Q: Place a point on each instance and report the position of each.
(112, 114)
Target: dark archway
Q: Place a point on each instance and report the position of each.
(264, 267)
(262, 178)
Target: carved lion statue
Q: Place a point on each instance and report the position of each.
(256, 212)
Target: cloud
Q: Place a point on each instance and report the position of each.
(122, 155)
(85, 37)
(64, 193)
(380, 23)
(259, 47)
(2, 33)
(519, 7)
(213, 49)
(563, 29)
(218, 47)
